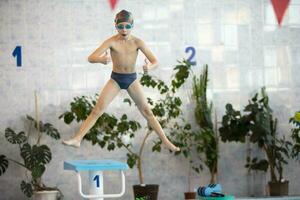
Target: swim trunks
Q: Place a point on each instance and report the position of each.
(124, 80)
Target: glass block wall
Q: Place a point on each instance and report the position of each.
(238, 39)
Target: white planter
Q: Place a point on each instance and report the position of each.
(45, 195)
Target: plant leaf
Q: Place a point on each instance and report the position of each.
(26, 188)
(35, 156)
(14, 138)
(3, 164)
(126, 100)
(51, 131)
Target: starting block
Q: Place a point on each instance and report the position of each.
(96, 169)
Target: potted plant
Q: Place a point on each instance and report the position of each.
(202, 141)
(207, 138)
(295, 121)
(111, 132)
(35, 158)
(258, 124)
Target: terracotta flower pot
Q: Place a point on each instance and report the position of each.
(189, 195)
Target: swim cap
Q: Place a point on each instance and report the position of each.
(124, 16)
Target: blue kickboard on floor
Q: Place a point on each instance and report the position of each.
(86, 165)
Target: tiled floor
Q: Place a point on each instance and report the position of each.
(270, 198)
(261, 198)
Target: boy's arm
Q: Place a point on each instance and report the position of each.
(147, 52)
(97, 56)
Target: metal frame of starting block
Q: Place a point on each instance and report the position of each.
(95, 169)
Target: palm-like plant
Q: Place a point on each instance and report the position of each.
(206, 140)
(295, 134)
(35, 156)
(203, 141)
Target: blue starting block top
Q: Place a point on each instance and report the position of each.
(85, 165)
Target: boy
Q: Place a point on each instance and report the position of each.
(124, 50)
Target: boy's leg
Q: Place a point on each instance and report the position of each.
(108, 93)
(136, 92)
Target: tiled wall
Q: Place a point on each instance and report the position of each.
(238, 39)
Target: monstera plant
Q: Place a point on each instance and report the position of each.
(35, 156)
(260, 126)
(111, 132)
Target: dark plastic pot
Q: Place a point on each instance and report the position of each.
(146, 192)
(190, 195)
(279, 188)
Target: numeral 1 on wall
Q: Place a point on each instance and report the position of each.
(18, 54)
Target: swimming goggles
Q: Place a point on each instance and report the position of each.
(122, 26)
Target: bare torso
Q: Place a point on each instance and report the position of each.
(124, 54)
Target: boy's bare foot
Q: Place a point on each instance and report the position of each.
(175, 148)
(171, 146)
(72, 142)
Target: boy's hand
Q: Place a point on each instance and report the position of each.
(146, 66)
(106, 58)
